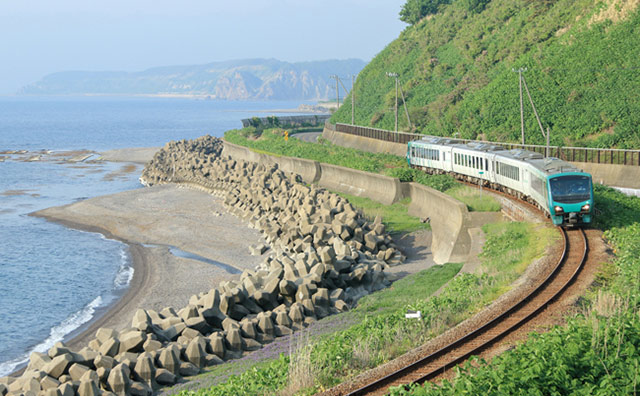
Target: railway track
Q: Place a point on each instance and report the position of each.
(428, 367)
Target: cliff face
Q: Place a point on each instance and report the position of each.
(253, 79)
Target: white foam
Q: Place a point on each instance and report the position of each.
(57, 333)
(125, 272)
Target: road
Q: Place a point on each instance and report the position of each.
(311, 137)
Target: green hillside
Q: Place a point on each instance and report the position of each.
(455, 67)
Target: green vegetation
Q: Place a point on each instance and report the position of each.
(271, 142)
(376, 330)
(475, 199)
(395, 217)
(455, 66)
(597, 351)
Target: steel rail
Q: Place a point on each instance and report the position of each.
(384, 382)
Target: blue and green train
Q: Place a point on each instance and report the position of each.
(556, 187)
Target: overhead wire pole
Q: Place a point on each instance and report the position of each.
(395, 75)
(334, 76)
(520, 71)
(536, 114)
(353, 99)
(406, 111)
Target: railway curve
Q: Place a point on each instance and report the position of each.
(495, 327)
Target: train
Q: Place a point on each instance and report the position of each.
(562, 191)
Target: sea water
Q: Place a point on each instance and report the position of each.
(53, 278)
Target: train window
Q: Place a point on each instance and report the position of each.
(486, 164)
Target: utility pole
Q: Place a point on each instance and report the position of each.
(520, 71)
(353, 100)
(395, 75)
(334, 76)
(406, 111)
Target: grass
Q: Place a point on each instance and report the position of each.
(376, 331)
(475, 199)
(395, 218)
(597, 351)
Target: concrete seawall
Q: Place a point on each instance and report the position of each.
(449, 218)
(449, 221)
(383, 189)
(364, 143)
(309, 170)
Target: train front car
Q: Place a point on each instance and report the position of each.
(570, 198)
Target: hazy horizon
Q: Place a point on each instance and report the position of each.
(44, 38)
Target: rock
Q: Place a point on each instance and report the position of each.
(49, 383)
(38, 360)
(211, 299)
(196, 354)
(76, 371)
(249, 344)
(118, 380)
(213, 316)
(88, 388)
(58, 365)
(103, 334)
(110, 347)
(151, 345)
(46, 392)
(296, 313)
(188, 369)
(141, 320)
(106, 362)
(287, 288)
(165, 377)
(234, 339)
(283, 319)
(217, 345)
(132, 341)
(140, 389)
(145, 370)
(199, 324)
(58, 349)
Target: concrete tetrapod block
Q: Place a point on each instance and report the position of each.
(66, 389)
(104, 361)
(169, 360)
(234, 339)
(188, 369)
(196, 354)
(118, 380)
(46, 392)
(76, 371)
(165, 377)
(110, 347)
(58, 365)
(140, 389)
(88, 388)
(37, 361)
(217, 345)
(103, 334)
(145, 370)
(58, 349)
(49, 382)
(132, 341)
(213, 316)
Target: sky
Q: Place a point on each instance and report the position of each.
(38, 37)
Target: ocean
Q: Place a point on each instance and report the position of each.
(53, 278)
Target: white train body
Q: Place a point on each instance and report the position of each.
(521, 173)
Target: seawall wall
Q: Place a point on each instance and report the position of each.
(448, 217)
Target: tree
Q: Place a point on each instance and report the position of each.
(414, 10)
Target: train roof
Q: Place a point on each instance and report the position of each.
(548, 166)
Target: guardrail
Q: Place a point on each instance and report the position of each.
(572, 154)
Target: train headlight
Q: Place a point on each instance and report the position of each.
(558, 209)
(585, 208)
